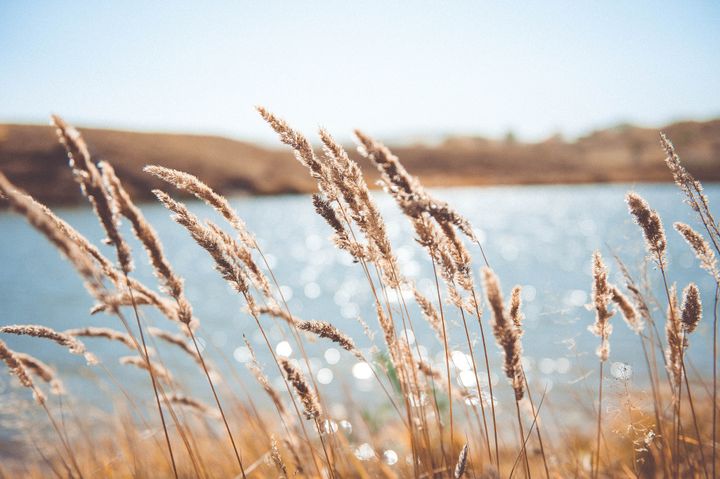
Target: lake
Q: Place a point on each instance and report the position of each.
(540, 237)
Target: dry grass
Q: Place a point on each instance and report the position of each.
(436, 428)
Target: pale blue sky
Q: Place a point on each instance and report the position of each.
(392, 68)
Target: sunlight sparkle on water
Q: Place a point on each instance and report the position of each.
(575, 297)
(546, 365)
(365, 452)
(329, 426)
(621, 371)
(283, 349)
(346, 426)
(390, 457)
(325, 376)
(286, 292)
(562, 365)
(461, 360)
(362, 370)
(332, 356)
(467, 379)
(242, 354)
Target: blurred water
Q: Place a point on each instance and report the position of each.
(540, 237)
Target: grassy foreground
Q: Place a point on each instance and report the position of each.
(437, 426)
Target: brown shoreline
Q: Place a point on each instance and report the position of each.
(31, 157)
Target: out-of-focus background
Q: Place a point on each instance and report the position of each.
(470, 93)
(484, 95)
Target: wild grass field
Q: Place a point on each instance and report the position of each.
(438, 426)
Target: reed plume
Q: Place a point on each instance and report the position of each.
(140, 362)
(461, 463)
(516, 314)
(340, 180)
(651, 225)
(507, 336)
(630, 314)
(297, 463)
(328, 213)
(418, 205)
(98, 264)
(341, 238)
(112, 302)
(242, 257)
(37, 216)
(194, 404)
(696, 198)
(209, 241)
(224, 255)
(278, 312)
(602, 294)
(43, 371)
(87, 175)
(431, 315)
(691, 311)
(328, 331)
(389, 334)
(74, 345)
(642, 306)
(107, 333)
(517, 317)
(302, 149)
(690, 316)
(191, 184)
(506, 333)
(427, 369)
(693, 189)
(171, 283)
(92, 186)
(401, 184)
(16, 367)
(639, 303)
(675, 340)
(435, 223)
(302, 388)
(277, 458)
(430, 237)
(255, 368)
(176, 340)
(701, 248)
(349, 181)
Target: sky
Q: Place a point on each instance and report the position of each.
(396, 69)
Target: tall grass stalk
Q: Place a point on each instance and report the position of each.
(602, 297)
(714, 391)
(695, 197)
(153, 379)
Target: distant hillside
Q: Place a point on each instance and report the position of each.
(31, 157)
